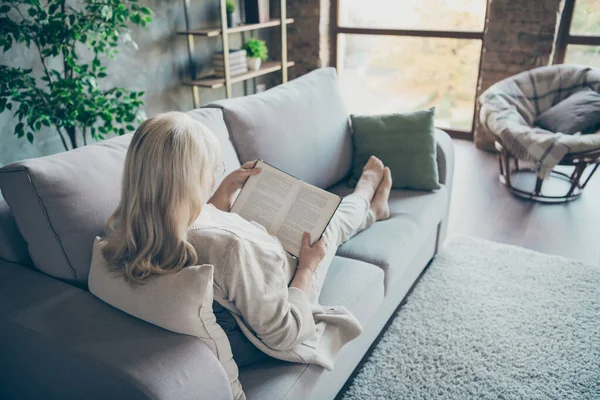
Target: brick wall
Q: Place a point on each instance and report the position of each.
(519, 35)
(309, 35)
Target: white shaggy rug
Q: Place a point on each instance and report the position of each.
(491, 321)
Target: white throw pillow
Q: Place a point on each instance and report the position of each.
(180, 302)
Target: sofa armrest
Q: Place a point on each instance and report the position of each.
(445, 161)
(58, 341)
(445, 157)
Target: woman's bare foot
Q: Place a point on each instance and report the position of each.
(379, 204)
(370, 178)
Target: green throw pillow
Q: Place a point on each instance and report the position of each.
(404, 142)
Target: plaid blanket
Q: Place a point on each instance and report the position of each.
(509, 108)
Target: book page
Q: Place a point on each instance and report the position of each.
(266, 197)
(310, 212)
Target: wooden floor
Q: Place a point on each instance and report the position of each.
(482, 207)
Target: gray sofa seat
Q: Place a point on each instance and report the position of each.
(391, 244)
(101, 353)
(354, 284)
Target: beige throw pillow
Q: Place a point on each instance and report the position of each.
(179, 302)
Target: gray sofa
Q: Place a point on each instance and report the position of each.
(58, 341)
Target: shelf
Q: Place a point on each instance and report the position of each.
(212, 32)
(215, 82)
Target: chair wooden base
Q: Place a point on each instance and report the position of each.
(561, 186)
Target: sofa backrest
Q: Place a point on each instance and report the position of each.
(61, 202)
(300, 127)
(213, 119)
(13, 247)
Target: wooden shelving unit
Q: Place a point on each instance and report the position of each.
(213, 32)
(214, 82)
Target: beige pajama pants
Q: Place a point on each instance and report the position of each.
(352, 216)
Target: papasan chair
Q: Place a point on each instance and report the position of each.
(549, 165)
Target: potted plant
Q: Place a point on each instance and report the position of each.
(230, 8)
(257, 51)
(69, 96)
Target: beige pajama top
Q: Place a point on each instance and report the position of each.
(252, 272)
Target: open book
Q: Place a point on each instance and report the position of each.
(285, 206)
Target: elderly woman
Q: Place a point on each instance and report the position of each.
(167, 220)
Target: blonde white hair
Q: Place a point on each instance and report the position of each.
(168, 176)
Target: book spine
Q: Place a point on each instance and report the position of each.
(220, 57)
(221, 74)
(240, 61)
(233, 54)
(241, 70)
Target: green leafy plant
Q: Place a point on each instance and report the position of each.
(68, 96)
(230, 6)
(256, 48)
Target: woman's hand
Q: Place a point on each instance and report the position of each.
(311, 256)
(309, 259)
(223, 196)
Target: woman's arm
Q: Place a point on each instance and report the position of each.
(254, 282)
(225, 193)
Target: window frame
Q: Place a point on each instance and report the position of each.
(428, 33)
(564, 37)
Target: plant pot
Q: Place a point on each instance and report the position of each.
(229, 20)
(254, 63)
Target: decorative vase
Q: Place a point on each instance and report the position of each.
(230, 20)
(254, 63)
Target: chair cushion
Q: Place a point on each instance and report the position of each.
(300, 127)
(579, 112)
(392, 243)
(180, 302)
(12, 245)
(61, 202)
(354, 284)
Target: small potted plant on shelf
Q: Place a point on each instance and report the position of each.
(257, 51)
(230, 8)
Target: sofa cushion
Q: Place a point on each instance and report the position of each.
(61, 202)
(12, 245)
(392, 243)
(354, 284)
(180, 302)
(60, 342)
(404, 142)
(300, 127)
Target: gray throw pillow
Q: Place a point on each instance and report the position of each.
(579, 112)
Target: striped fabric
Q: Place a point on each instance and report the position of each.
(509, 108)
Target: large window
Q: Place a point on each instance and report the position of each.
(579, 33)
(399, 56)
